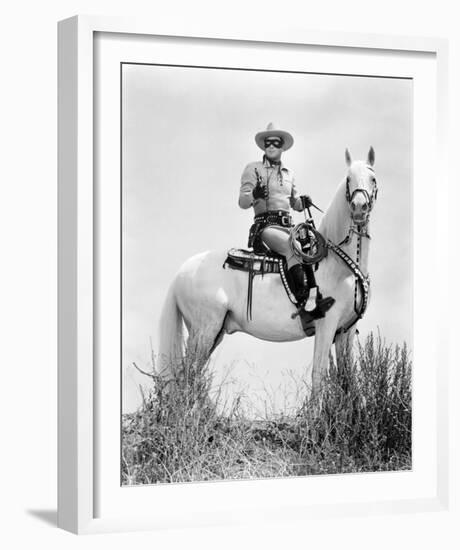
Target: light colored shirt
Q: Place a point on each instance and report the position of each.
(282, 192)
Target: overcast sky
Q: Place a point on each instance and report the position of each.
(187, 135)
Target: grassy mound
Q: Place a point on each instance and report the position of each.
(361, 423)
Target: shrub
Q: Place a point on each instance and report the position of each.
(364, 413)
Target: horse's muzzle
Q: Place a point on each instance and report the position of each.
(360, 218)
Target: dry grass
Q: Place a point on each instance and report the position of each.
(361, 424)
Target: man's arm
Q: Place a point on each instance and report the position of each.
(299, 202)
(296, 199)
(248, 183)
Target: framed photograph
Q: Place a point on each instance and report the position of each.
(248, 226)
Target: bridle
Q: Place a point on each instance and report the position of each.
(370, 199)
(360, 228)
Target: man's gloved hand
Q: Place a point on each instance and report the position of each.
(260, 191)
(306, 201)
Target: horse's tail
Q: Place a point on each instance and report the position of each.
(171, 336)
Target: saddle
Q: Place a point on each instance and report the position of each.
(267, 263)
(308, 245)
(260, 264)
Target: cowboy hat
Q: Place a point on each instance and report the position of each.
(271, 131)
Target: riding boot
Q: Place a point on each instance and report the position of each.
(301, 291)
(322, 305)
(299, 279)
(311, 283)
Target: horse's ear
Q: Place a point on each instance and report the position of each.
(348, 157)
(371, 156)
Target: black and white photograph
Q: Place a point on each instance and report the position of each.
(230, 291)
(266, 274)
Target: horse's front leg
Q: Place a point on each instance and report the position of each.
(344, 356)
(325, 331)
(344, 347)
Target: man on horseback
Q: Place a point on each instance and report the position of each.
(269, 187)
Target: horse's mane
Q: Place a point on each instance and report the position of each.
(334, 224)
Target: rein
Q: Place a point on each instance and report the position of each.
(360, 230)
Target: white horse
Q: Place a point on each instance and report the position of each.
(211, 301)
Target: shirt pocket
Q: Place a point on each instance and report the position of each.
(287, 183)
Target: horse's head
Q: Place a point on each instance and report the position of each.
(361, 187)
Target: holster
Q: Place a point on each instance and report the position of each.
(254, 239)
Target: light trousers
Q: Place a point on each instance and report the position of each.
(277, 239)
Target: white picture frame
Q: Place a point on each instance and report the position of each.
(79, 507)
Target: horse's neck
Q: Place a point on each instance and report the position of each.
(335, 226)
